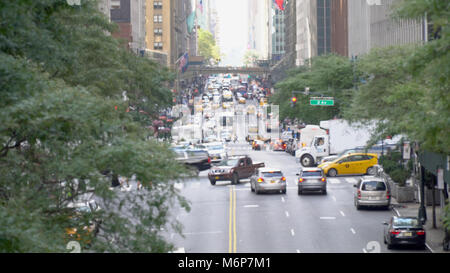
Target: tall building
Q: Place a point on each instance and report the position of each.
(258, 18)
(277, 33)
(167, 37)
(138, 20)
(370, 26)
(105, 7)
(339, 27)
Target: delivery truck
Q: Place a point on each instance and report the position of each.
(332, 137)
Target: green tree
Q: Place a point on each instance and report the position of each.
(329, 75)
(207, 47)
(64, 127)
(250, 57)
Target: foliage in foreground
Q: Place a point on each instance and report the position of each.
(65, 132)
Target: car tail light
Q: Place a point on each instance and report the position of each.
(323, 179)
(388, 195)
(209, 159)
(359, 194)
(260, 180)
(420, 232)
(300, 180)
(283, 178)
(394, 232)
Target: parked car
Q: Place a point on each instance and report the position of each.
(278, 145)
(355, 163)
(216, 151)
(79, 231)
(372, 191)
(233, 169)
(268, 179)
(404, 231)
(312, 179)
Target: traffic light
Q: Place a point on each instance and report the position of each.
(293, 101)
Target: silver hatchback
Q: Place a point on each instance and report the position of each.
(372, 191)
(312, 179)
(267, 179)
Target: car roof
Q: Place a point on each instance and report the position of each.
(266, 170)
(310, 169)
(372, 178)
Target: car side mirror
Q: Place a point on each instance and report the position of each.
(297, 174)
(385, 224)
(354, 186)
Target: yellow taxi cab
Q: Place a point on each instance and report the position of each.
(242, 100)
(354, 163)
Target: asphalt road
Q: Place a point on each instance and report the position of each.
(229, 218)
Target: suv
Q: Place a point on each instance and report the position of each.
(372, 191)
(312, 179)
(196, 158)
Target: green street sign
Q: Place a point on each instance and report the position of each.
(322, 101)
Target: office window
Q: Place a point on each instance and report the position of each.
(158, 45)
(157, 5)
(157, 18)
(157, 31)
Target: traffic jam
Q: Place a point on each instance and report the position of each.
(330, 159)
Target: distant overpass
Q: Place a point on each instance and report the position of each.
(195, 70)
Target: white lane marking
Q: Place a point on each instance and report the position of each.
(342, 213)
(178, 186)
(179, 250)
(334, 198)
(364, 250)
(292, 232)
(251, 206)
(327, 218)
(287, 213)
(353, 231)
(282, 199)
(334, 181)
(351, 180)
(298, 250)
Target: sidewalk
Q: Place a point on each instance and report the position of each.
(435, 236)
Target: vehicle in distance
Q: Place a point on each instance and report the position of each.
(216, 151)
(372, 191)
(233, 169)
(78, 230)
(356, 163)
(312, 179)
(404, 231)
(257, 145)
(268, 179)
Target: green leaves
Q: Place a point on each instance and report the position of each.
(207, 46)
(65, 131)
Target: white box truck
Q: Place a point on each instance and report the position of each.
(338, 135)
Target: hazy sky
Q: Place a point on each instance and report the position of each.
(233, 30)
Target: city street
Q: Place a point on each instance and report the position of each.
(231, 218)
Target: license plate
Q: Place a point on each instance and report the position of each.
(406, 234)
(374, 198)
(272, 181)
(217, 177)
(215, 158)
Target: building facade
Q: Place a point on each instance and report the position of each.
(370, 25)
(121, 15)
(259, 12)
(167, 37)
(277, 33)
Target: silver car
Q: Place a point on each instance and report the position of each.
(312, 179)
(372, 191)
(268, 179)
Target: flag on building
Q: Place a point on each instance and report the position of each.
(190, 21)
(280, 4)
(184, 62)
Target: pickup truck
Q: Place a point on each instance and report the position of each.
(233, 168)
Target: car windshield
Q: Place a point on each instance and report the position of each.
(373, 186)
(406, 222)
(218, 147)
(272, 174)
(311, 173)
(229, 162)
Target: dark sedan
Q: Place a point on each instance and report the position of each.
(404, 231)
